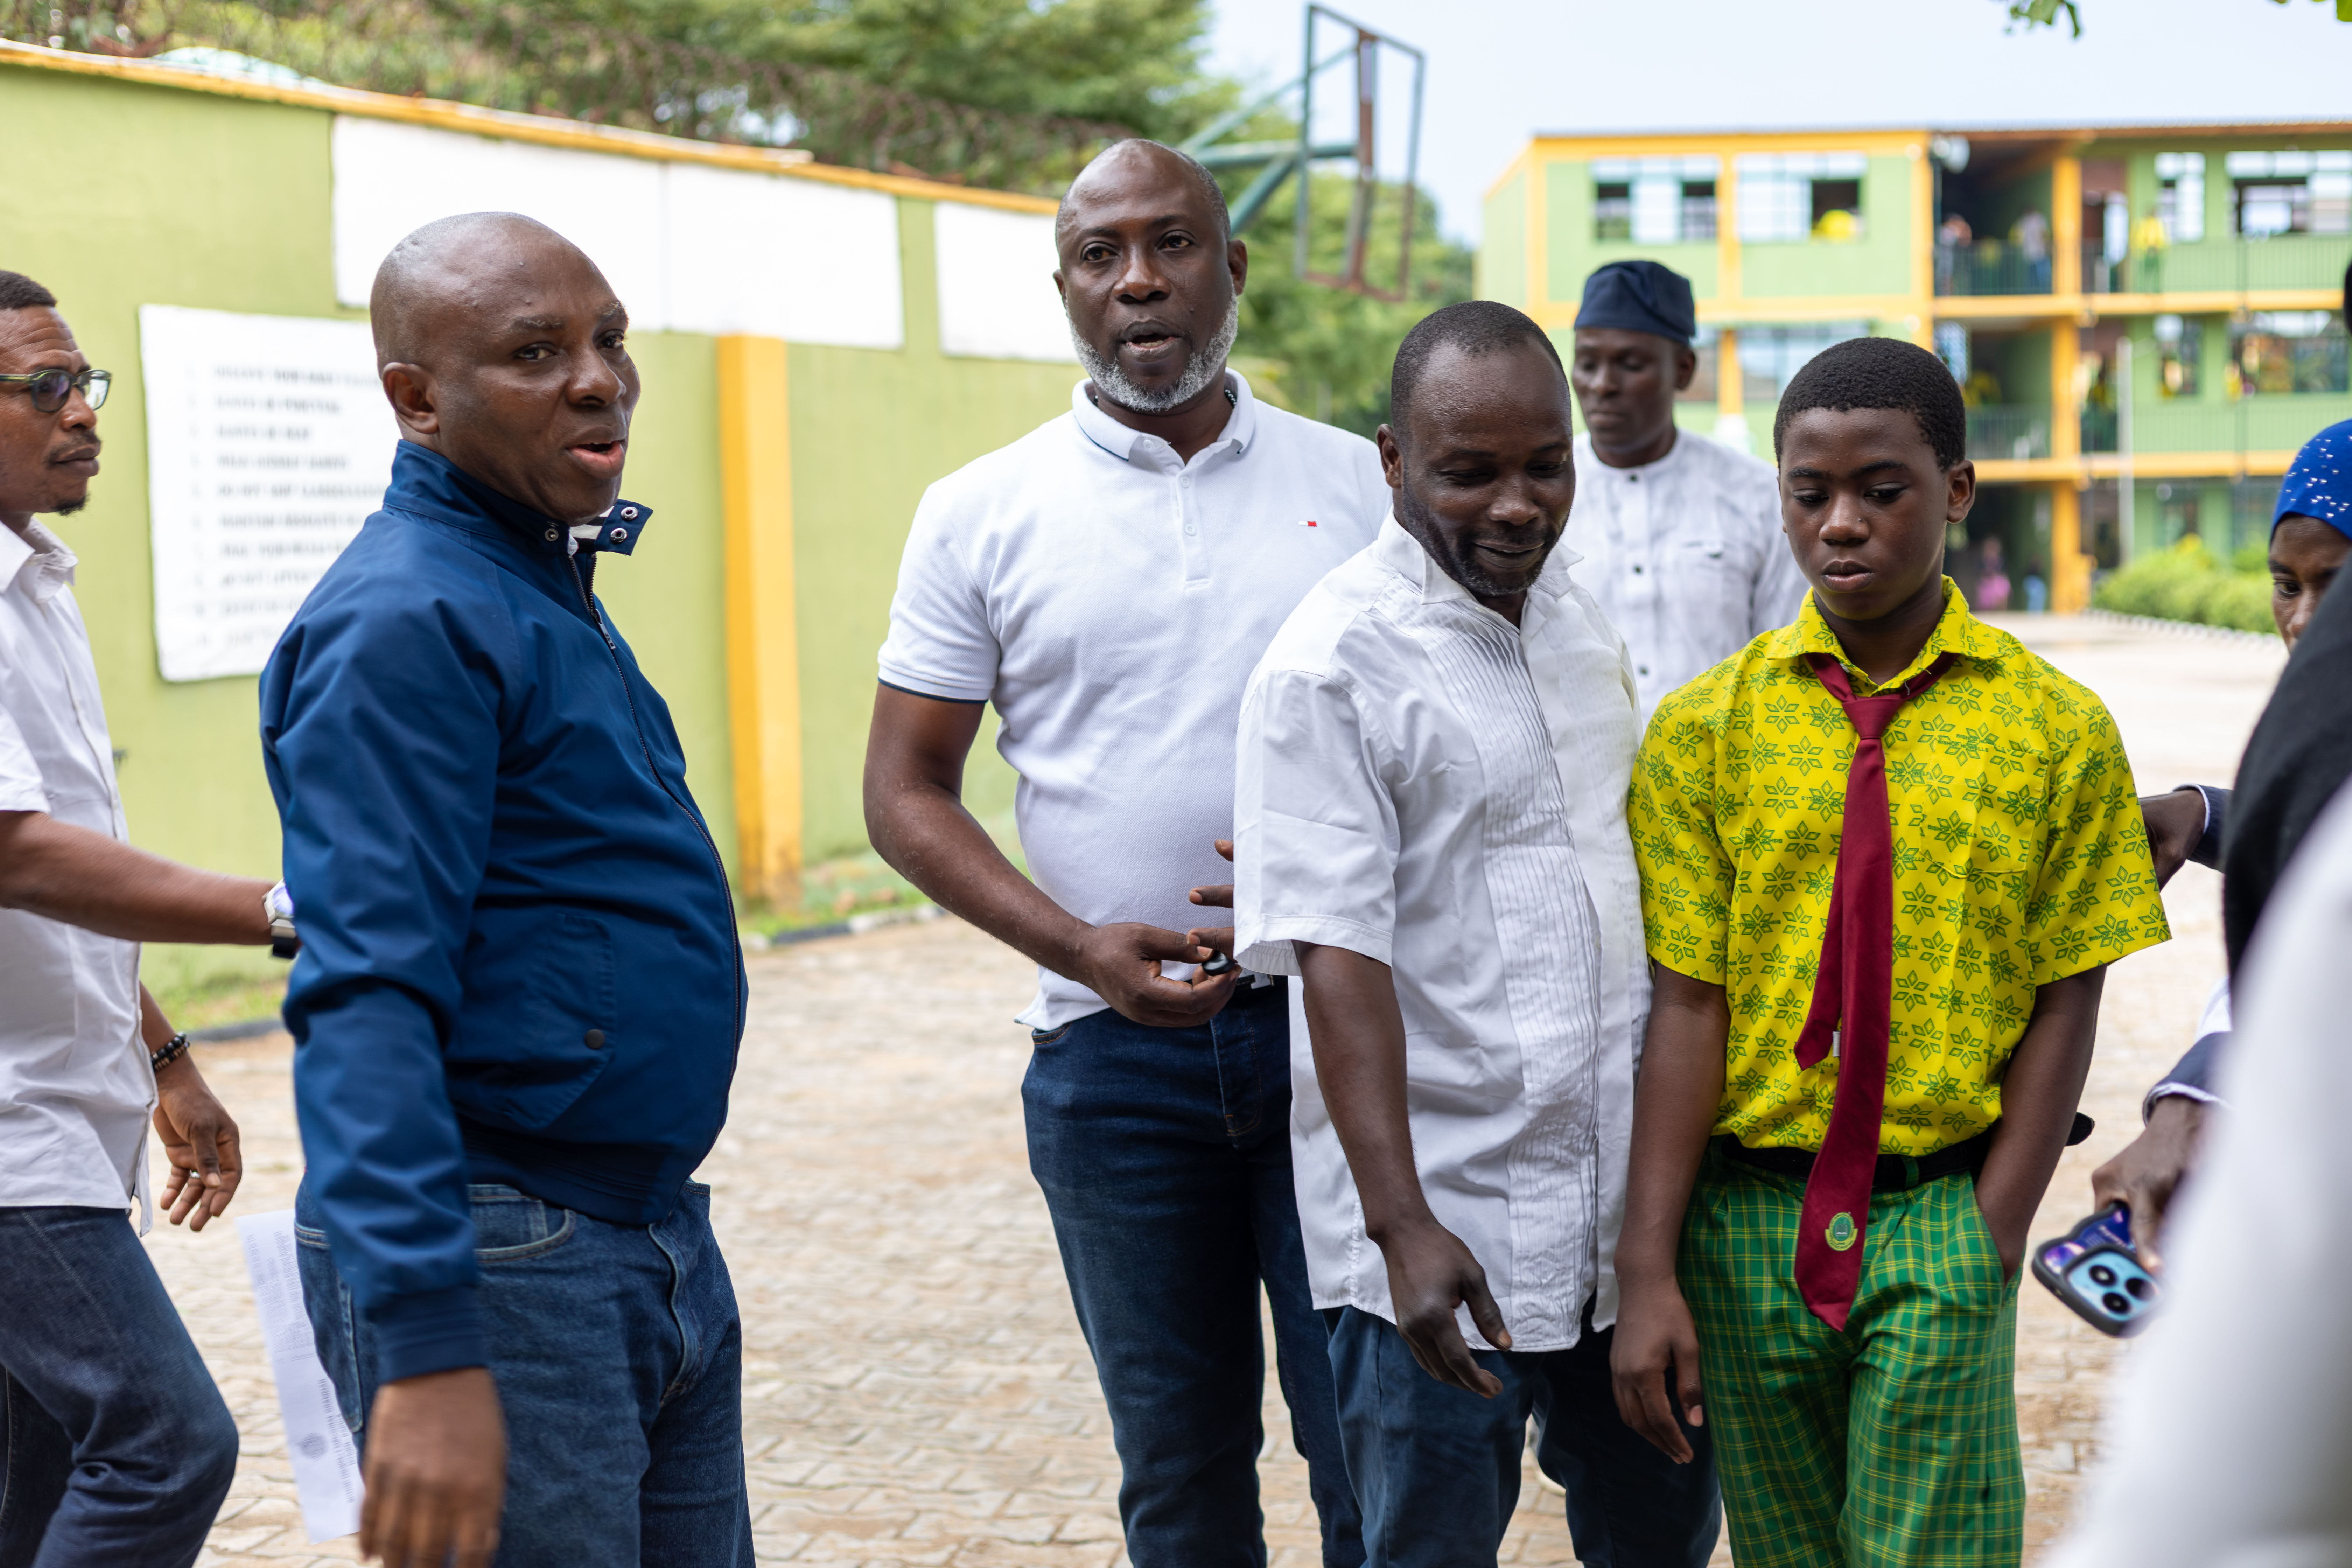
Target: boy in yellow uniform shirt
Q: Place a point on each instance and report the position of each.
(1885, 852)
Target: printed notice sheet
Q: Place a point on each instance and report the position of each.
(269, 443)
(318, 1441)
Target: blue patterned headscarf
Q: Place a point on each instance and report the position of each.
(2318, 483)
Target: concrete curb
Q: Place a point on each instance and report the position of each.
(250, 1029)
(2181, 628)
(856, 925)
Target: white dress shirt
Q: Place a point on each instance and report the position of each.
(2228, 1436)
(1424, 783)
(1686, 556)
(75, 1086)
(1110, 601)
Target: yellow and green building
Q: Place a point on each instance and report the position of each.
(2148, 321)
(817, 345)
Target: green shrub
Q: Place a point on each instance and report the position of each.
(2187, 583)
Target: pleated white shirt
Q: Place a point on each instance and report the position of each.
(1426, 784)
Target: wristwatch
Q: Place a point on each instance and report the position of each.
(285, 941)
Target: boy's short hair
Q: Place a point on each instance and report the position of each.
(1476, 327)
(1881, 373)
(18, 292)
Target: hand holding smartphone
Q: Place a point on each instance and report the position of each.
(2095, 1271)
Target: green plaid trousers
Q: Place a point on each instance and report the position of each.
(1892, 1444)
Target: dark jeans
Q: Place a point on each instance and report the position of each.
(1437, 1469)
(1165, 1159)
(619, 1363)
(115, 1447)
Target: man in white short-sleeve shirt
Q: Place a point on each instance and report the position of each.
(1434, 755)
(115, 1447)
(1108, 581)
(1680, 535)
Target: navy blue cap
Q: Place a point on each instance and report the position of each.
(2319, 483)
(1639, 296)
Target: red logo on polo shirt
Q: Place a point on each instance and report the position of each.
(1306, 522)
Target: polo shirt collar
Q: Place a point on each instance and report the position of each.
(1402, 554)
(1957, 632)
(36, 560)
(1120, 441)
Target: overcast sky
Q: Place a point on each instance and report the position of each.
(1501, 70)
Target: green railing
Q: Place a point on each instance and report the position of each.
(2279, 424)
(2009, 433)
(2220, 266)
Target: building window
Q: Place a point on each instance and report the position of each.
(2181, 195)
(1654, 200)
(2276, 352)
(1952, 347)
(2180, 347)
(2291, 192)
(1770, 356)
(1791, 196)
(1708, 347)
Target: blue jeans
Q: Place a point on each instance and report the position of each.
(1437, 1467)
(1165, 1159)
(619, 1362)
(115, 1447)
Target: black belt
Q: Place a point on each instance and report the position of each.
(1896, 1172)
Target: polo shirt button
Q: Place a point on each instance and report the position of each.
(594, 1040)
(1190, 529)
(1643, 669)
(620, 533)
(1637, 571)
(628, 511)
(550, 536)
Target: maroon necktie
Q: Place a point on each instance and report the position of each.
(1853, 996)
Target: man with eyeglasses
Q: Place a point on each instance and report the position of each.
(115, 1447)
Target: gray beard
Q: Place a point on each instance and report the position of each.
(1207, 364)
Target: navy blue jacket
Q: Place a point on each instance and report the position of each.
(519, 960)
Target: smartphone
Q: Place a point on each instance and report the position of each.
(2093, 1269)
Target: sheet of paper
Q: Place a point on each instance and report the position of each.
(318, 1442)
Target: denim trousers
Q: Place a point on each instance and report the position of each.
(115, 1447)
(1165, 1159)
(618, 1358)
(1437, 1467)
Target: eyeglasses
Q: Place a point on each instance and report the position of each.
(50, 388)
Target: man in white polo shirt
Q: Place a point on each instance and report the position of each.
(1433, 763)
(1680, 535)
(115, 1447)
(1108, 581)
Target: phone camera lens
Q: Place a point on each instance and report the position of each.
(2118, 1304)
(2138, 1286)
(2102, 1275)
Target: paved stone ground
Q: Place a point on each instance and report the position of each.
(916, 1390)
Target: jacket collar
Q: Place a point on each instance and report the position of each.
(427, 484)
(1402, 554)
(1957, 632)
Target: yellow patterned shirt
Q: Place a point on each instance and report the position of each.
(2019, 859)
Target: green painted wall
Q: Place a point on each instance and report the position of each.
(871, 430)
(1502, 264)
(1571, 254)
(1877, 263)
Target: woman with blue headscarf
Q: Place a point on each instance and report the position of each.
(2300, 755)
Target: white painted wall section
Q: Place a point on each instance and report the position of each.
(784, 258)
(997, 299)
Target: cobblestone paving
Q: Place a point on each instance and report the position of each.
(916, 1390)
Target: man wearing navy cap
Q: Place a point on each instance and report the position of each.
(1680, 538)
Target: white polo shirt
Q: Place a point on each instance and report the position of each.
(1110, 601)
(1423, 783)
(1686, 556)
(75, 1086)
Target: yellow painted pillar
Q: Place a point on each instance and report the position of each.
(1730, 396)
(1923, 246)
(2069, 570)
(1727, 286)
(1539, 236)
(763, 665)
(2066, 225)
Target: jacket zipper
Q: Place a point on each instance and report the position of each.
(734, 938)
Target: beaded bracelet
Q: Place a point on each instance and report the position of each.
(176, 1047)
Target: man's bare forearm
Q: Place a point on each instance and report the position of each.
(83, 879)
(2038, 1096)
(1357, 1032)
(1675, 1100)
